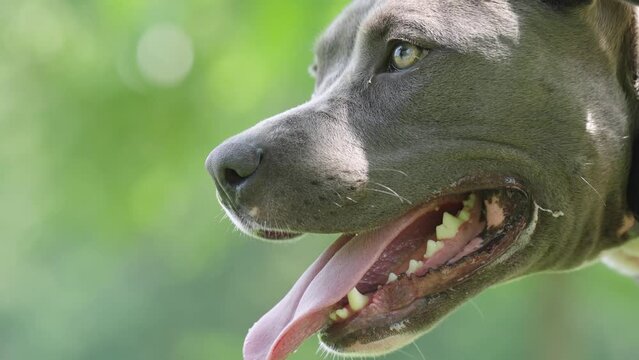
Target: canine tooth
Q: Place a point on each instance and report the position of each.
(464, 215)
(342, 313)
(433, 247)
(356, 300)
(413, 266)
(392, 278)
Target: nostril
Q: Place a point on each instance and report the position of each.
(232, 164)
(233, 178)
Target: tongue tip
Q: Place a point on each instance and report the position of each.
(254, 348)
(281, 330)
(264, 339)
(260, 344)
(260, 349)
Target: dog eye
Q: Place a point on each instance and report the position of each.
(406, 55)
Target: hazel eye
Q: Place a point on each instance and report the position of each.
(406, 55)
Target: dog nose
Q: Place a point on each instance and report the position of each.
(232, 164)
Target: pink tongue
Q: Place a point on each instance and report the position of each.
(304, 310)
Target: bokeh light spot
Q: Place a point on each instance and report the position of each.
(165, 55)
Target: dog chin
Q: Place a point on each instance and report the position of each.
(378, 348)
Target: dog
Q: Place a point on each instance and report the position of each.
(455, 145)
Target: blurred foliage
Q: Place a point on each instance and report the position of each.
(113, 246)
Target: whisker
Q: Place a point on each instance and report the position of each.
(474, 304)
(221, 217)
(419, 351)
(394, 192)
(406, 353)
(390, 170)
(385, 187)
(387, 193)
(595, 190)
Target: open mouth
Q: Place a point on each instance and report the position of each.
(370, 286)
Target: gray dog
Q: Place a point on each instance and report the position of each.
(456, 144)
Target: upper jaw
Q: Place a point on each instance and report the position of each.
(251, 226)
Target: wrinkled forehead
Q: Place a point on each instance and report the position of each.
(464, 25)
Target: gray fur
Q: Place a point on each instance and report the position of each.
(513, 88)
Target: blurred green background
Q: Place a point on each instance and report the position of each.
(112, 243)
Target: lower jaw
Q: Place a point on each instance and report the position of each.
(376, 331)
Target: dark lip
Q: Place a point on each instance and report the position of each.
(249, 226)
(437, 303)
(274, 235)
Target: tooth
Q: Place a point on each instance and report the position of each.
(451, 222)
(444, 233)
(342, 313)
(356, 300)
(432, 248)
(464, 215)
(413, 266)
(333, 316)
(448, 228)
(392, 278)
(470, 202)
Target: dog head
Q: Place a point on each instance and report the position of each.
(455, 145)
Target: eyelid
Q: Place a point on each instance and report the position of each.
(422, 43)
